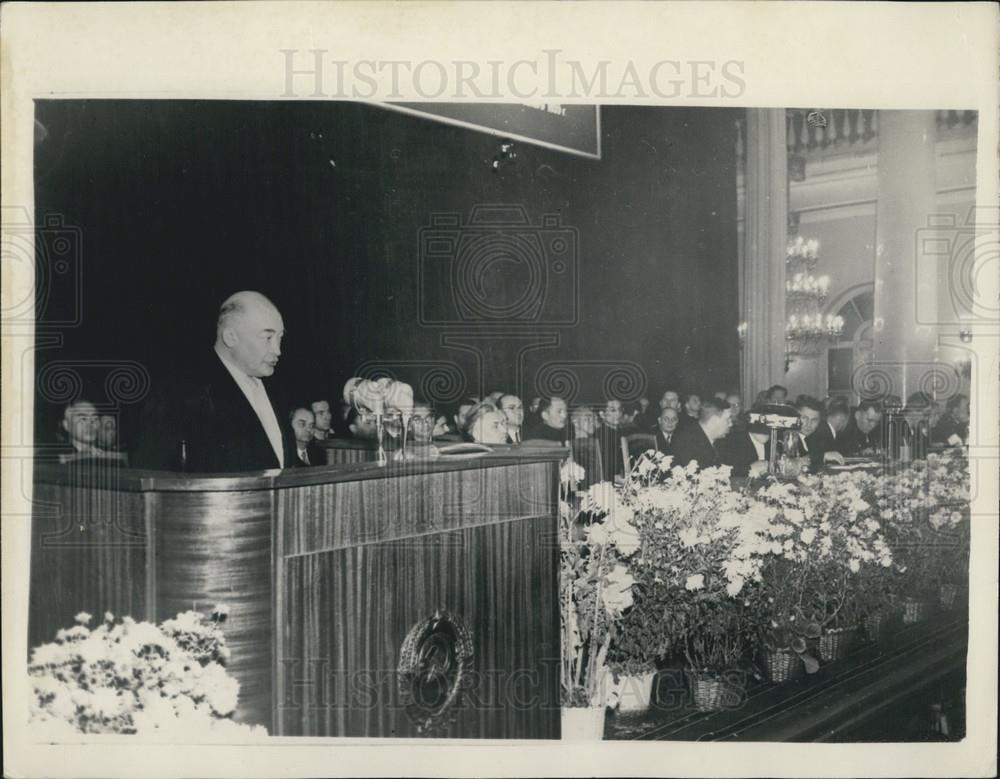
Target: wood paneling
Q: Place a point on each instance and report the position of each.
(347, 605)
(88, 554)
(215, 548)
(324, 566)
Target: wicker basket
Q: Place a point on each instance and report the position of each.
(914, 610)
(873, 626)
(781, 665)
(708, 692)
(835, 643)
(947, 595)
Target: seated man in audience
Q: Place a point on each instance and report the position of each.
(861, 438)
(422, 423)
(553, 415)
(307, 451)
(584, 422)
(691, 410)
(777, 394)
(78, 432)
(324, 419)
(643, 418)
(915, 429)
(953, 426)
(107, 433)
(736, 409)
(609, 435)
(487, 424)
(513, 409)
(829, 436)
(746, 451)
(360, 425)
(670, 399)
(696, 442)
(666, 427)
(816, 438)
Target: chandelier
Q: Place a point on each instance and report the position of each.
(807, 331)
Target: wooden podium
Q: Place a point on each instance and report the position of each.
(416, 599)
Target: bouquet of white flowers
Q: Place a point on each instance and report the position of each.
(136, 677)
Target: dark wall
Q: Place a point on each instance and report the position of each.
(174, 205)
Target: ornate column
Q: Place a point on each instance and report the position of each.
(905, 280)
(762, 295)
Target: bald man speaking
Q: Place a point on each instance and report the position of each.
(235, 427)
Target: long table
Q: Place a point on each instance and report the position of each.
(413, 599)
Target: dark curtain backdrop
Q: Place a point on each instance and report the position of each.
(169, 206)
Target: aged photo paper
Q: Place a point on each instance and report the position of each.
(92, 90)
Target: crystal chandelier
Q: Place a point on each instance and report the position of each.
(807, 331)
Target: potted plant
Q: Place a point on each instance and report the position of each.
(596, 588)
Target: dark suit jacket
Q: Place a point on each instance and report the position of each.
(691, 443)
(821, 441)
(661, 441)
(854, 442)
(224, 432)
(212, 415)
(948, 426)
(544, 432)
(315, 453)
(737, 451)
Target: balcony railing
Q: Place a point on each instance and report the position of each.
(813, 132)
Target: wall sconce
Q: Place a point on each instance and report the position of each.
(965, 336)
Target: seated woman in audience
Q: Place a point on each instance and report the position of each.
(746, 451)
(487, 424)
(953, 427)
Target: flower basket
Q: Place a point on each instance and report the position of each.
(914, 610)
(835, 643)
(782, 665)
(947, 595)
(709, 692)
(584, 723)
(636, 692)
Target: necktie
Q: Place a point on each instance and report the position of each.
(304, 456)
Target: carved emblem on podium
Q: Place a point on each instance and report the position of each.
(435, 664)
